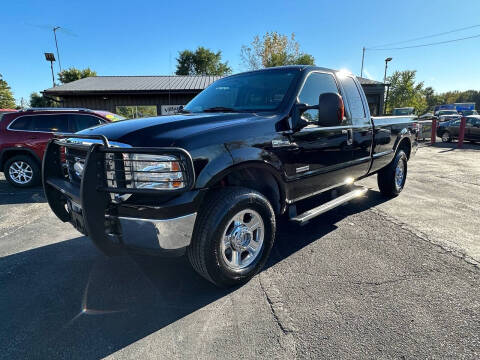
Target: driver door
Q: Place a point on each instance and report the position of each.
(321, 155)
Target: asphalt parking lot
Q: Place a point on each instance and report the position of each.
(372, 279)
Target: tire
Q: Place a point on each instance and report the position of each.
(446, 137)
(208, 252)
(389, 181)
(22, 171)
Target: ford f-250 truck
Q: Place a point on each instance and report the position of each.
(212, 180)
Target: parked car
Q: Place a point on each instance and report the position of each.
(4, 111)
(403, 111)
(25, 134)
(212, 180)
(445, 115)
(468, 112)
(450, 130)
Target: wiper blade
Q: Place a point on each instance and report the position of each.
(219, 109)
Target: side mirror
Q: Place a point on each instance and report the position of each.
(331, 109)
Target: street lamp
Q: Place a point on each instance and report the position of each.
(386, 65)
(50, 57)
(384, 82)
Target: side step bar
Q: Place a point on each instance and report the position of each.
(310, 214)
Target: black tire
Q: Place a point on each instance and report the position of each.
(446, 137)
(32, 164)
(205, 253)
(386, 179)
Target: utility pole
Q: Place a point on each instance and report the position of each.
(56, 44)
(363, 57)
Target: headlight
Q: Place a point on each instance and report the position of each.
(155, 171)
(144, 171)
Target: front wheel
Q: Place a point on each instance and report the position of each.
(22, 171)
(446, 137)
(391, 179)
(233, 236)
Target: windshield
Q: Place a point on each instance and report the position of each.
(448, 112)
(255, 91)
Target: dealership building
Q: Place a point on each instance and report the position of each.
(137, 96)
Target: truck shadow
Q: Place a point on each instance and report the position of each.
(65, 300)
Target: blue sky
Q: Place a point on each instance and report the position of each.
(144, 37)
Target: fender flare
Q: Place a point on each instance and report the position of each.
(17, 149)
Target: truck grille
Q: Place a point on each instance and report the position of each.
(75, 160)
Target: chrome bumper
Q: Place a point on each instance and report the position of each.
(151, 234)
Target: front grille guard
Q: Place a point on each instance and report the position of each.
(93, 194)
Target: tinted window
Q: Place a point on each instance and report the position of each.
(315, 85)
(354, 97)
(50, 123)
(81, 122)
(21, 123)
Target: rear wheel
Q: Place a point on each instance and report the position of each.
(392, 178)
(446, 137)
(22, 171)
(233, 236)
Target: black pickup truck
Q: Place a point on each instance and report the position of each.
(213, 179)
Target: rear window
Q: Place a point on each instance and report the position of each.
(21, 123)
(46, 123)
(50, 123)
(354, 97)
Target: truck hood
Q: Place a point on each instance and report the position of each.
(166, 130)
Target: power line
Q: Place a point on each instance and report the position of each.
(430, 44)
(425, 37)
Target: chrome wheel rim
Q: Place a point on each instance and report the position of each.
(242, 239)
(445, 137)
(20, 172)
(399, 174)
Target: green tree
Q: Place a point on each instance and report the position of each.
(274, 49)
(38, 100)
(7, 101)
(201, 62)
(73, 74)
(405, 92)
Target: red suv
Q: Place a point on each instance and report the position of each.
(25, 134)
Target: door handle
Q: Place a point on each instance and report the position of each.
(33, 138)
(349, 133)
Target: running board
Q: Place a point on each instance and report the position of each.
(310, 214)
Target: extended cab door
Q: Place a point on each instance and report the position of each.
(321, 155)
(362, 129)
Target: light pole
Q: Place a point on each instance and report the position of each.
(50, 57)
(387, 60)
(386, 65)
(56, 45)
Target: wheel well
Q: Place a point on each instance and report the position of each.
(7, 154)
(406, 146)
(257, 179)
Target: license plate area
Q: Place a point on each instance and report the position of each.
(76, 216)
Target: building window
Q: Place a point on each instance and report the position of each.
(133, 112)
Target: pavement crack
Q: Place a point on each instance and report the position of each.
(279, 312)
